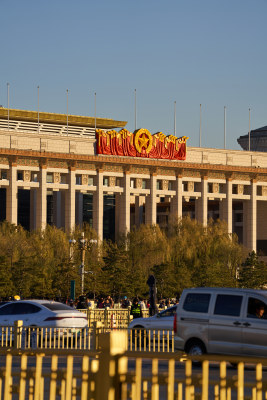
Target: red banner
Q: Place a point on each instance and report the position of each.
(141, 144)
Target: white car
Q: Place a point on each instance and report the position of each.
(160, 321)
(42, 313)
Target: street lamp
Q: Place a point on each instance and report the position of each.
(72, 243)
(83, 246)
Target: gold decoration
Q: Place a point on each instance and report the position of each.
(26, 176)
(56, 177)
(143, 139)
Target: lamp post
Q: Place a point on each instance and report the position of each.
(83, 246)
(72, 243)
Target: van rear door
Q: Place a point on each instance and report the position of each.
(225, 324)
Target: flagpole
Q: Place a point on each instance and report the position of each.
(95, 112)
(67, 112)
(249, 129)
(175, 118)
(135, 111)
(38, 109)
(200, 128)
(8, 106)
(224, 127)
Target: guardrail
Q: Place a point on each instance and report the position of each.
(111, 317)
(117, 374)
(29, 337)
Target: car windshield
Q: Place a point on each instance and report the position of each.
(57, 306)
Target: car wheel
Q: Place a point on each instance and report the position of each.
(195, 348)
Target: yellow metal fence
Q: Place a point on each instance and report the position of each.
(110, 317)
(26, 337)
(113, 373)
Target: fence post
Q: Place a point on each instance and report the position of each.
(89, 316)
(112, 364)
(97, 325)
(17, 333)
(106, 314)
(129, 314)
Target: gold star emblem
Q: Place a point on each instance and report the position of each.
(143, 140)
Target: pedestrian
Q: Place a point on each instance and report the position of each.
(142, 304)
(125, 302)
(136, 310)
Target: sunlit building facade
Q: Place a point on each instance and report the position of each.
(60, 170)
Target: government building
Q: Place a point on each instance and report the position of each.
(65, 170)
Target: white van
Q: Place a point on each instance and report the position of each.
(222, 321)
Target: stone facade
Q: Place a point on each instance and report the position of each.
(223, 184)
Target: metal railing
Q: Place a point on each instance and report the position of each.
(28, 337)
(117, 374)
(111, 317)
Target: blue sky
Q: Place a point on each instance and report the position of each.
(189, 51)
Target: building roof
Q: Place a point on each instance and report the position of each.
(256, 132)
(258, 140)
(54, 118)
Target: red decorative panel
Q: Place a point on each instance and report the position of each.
(141, 144)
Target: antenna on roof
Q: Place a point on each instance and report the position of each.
(175, 118)
(67, 112)
(224, 127)
(200, 128)
(95, 111)
(135, 112)
(8, 106)
(38, 108)
(249, 129)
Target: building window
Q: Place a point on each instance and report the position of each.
(210, 188)
(49, 177)
(144, 184)
(78, 179)
(118, 182)
(63, 178)
(3, 174)
(34, 177)
(90, 181)
(105, 181)
(19, 175)
(159, 185)
(170, 185)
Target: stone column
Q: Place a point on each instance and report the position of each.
(252, 218)
(11, 194)
(177, 200)
(201, 205)
(41, 209)
(151, 202)
(70, 201)
(98, 204)
(125, 205)
(226, 206)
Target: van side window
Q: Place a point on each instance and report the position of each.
(256, 308)
(197, 302)
(228, 304)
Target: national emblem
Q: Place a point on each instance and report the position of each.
(143, 140)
